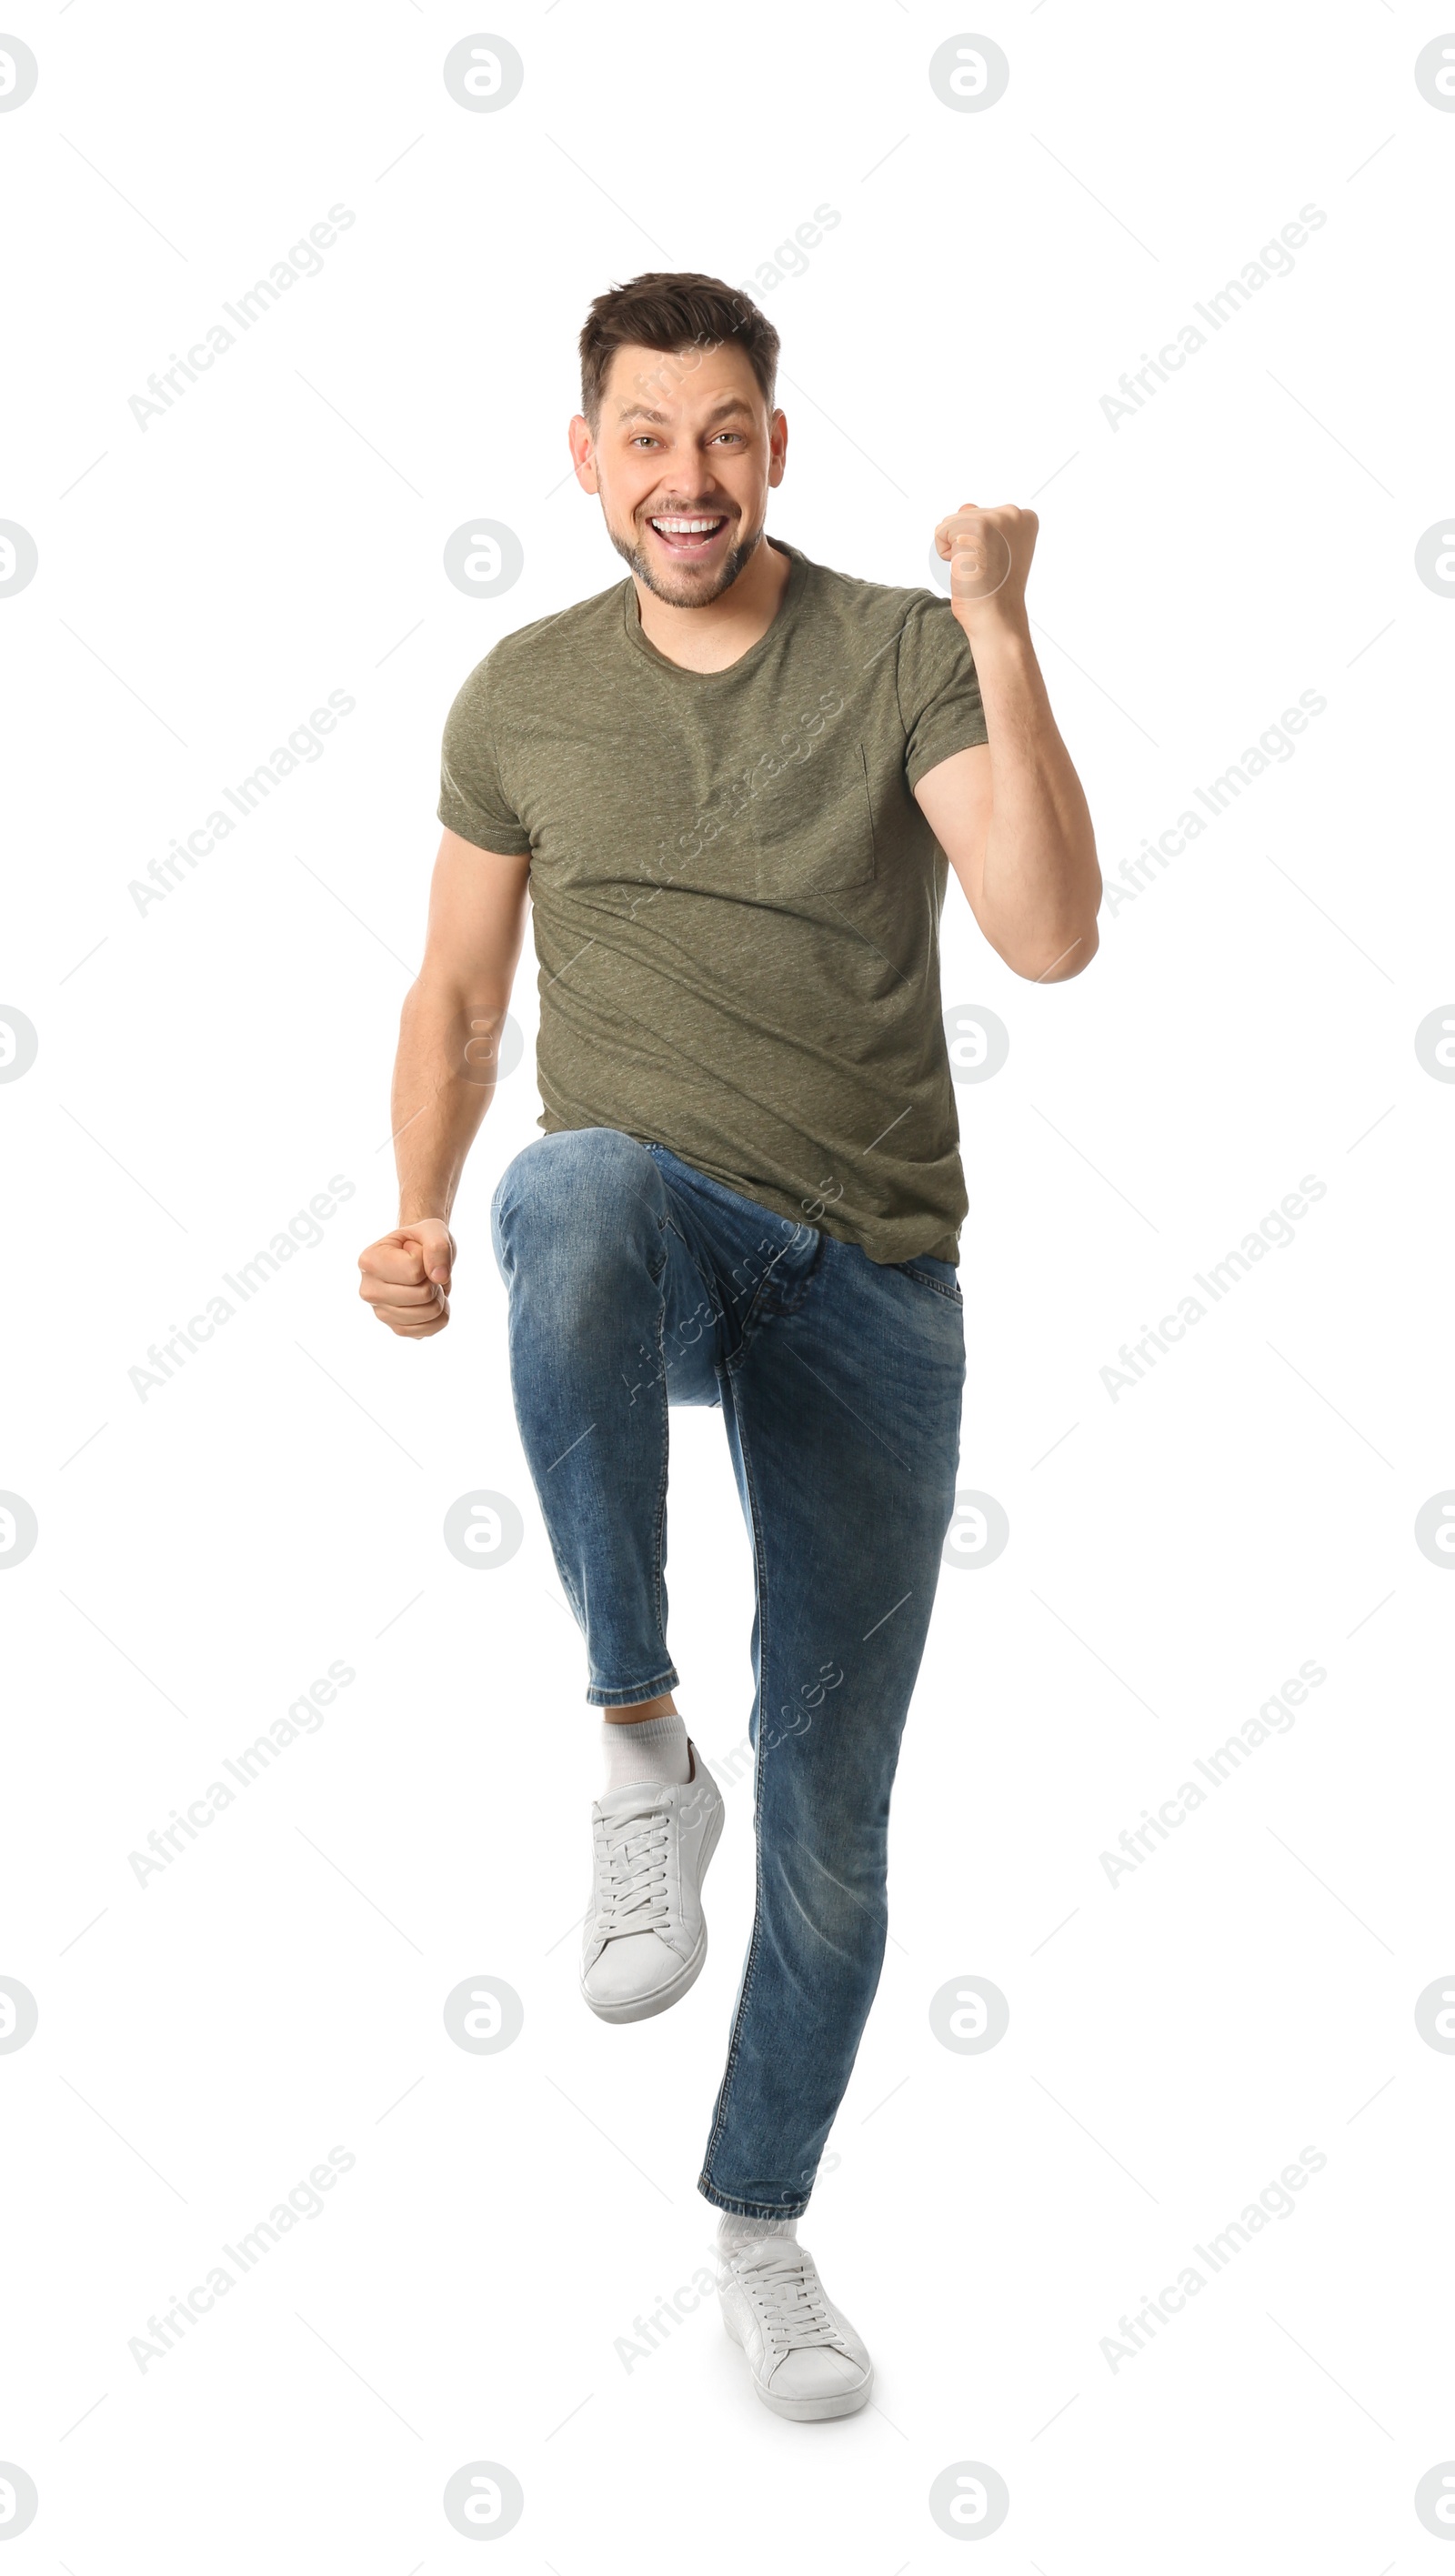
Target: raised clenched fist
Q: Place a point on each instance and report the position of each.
(989, 554)
(406, 1278)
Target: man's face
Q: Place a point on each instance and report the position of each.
(684, 437)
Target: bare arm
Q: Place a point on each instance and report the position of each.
(444, 1075)
(1010, 815)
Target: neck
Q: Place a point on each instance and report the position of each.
(721, 632)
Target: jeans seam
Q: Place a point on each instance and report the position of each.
(660, 1537)
(760, 1292)
(627, 1697)
(717, 1314)
(755, 1941)
(937, 1287)
(748, 2208)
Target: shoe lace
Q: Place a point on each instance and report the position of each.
(631, 1876)
(788, 2297)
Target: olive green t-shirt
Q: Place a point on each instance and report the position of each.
(736, 897)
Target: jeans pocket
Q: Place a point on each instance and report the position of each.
(939, 1276)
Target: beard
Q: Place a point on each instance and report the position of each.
(679, 590)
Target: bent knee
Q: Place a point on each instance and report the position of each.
(590, 1187)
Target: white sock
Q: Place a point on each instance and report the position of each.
(734, 2232)
(652, 1748)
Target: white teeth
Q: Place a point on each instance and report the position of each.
(684, 527)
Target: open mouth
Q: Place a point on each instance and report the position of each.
(687, 535)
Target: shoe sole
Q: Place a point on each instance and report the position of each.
(645, 2007)
(806, 2410)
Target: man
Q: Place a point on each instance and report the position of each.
(730, 785)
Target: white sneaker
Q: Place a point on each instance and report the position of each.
(807, 2362)
(644, 1939)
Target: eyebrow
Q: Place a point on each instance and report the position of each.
(719, 411)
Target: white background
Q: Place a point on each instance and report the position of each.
(205, 1067)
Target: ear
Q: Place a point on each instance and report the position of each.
(583, 453)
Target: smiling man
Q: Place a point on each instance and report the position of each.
(730, 786)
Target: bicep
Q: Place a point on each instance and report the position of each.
(477, 902)
(955, 800)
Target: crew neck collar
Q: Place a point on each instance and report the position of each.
(786, 610)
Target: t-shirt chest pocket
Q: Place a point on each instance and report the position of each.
(812, 823)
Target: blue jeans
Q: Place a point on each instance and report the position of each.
(636, 1282)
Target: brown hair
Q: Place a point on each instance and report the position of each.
(671, 309)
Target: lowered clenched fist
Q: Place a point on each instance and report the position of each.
(406, 1277)
(989, 554)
